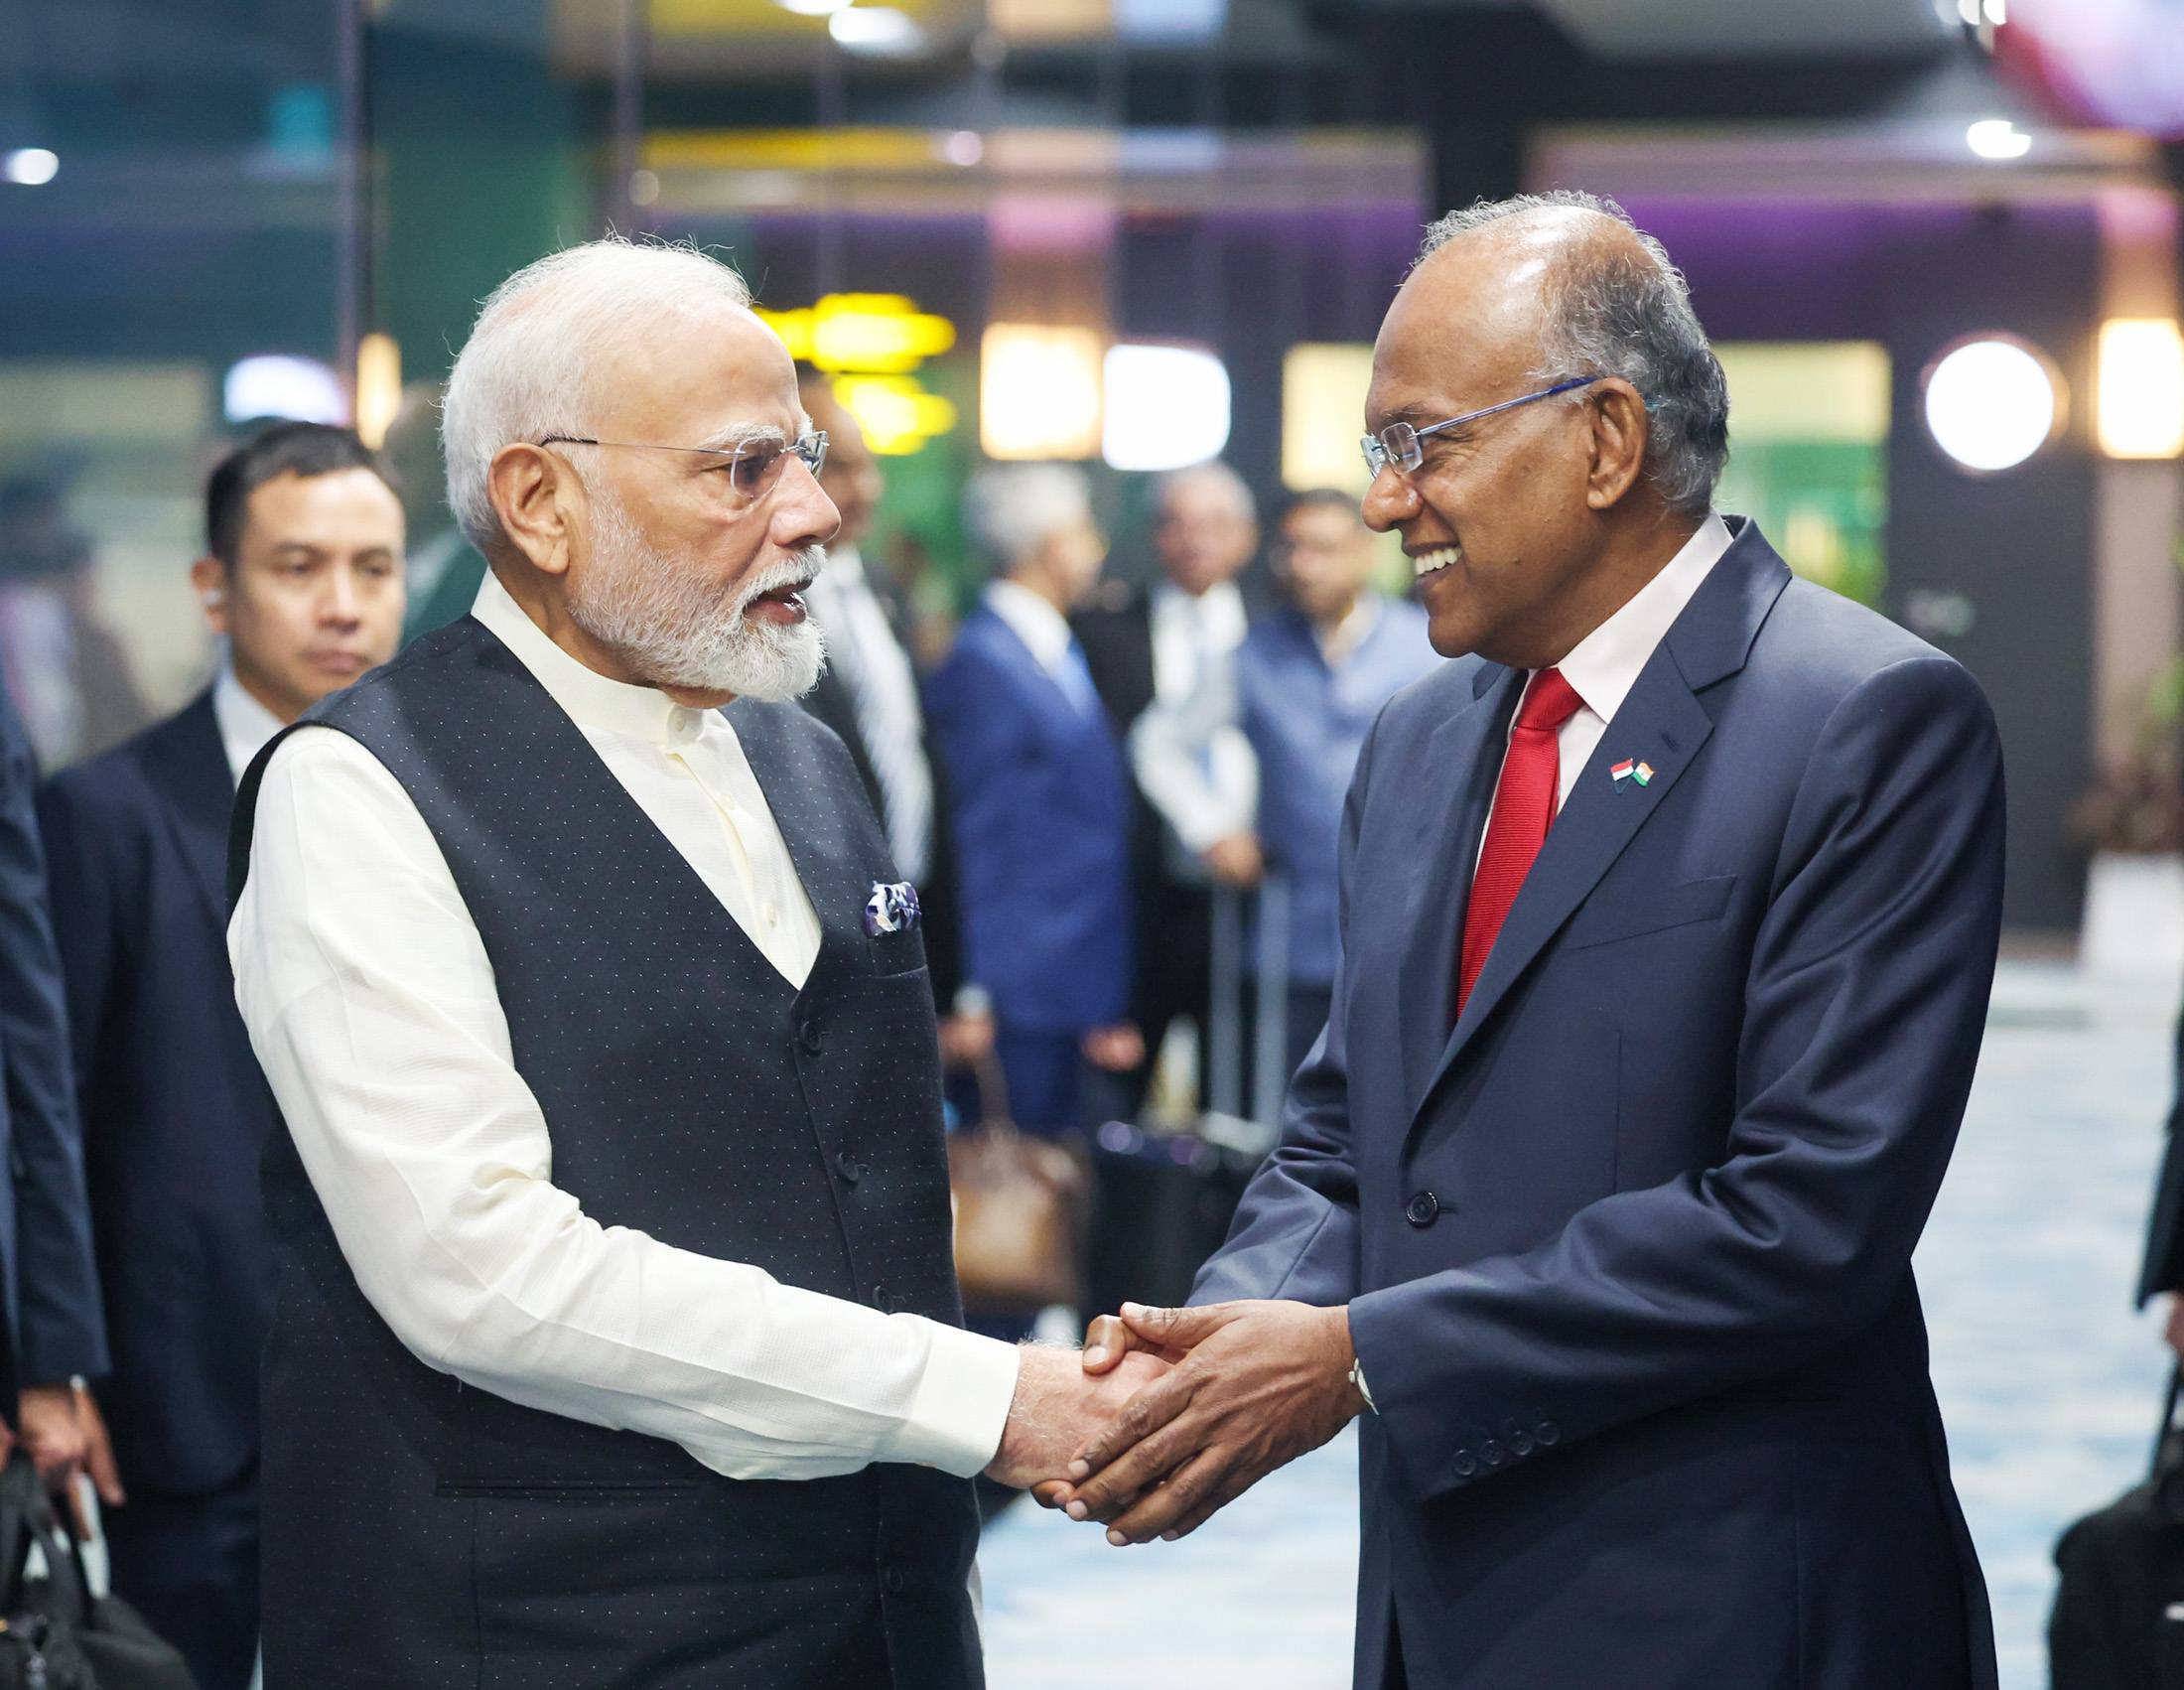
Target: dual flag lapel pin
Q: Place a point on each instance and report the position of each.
(1629, 774)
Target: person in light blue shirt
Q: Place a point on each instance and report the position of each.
(1310, 680)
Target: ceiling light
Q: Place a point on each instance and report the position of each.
(965, 148)
(1998, 138)
(1167, 407)
(1039, 391)
(272, 384)
(2140, 413)
(875, 29)
(33, 167)
(1991, 402)
(815, 8)
(378, 388)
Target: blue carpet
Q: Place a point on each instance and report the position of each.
(2048, 1382)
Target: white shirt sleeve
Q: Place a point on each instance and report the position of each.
(1192, 761)
(370, 1000)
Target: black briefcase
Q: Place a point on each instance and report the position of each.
(54, 1634)
(2118, 1618)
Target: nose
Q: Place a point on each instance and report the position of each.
(804, 514)
(1390, 500)
(341, 603)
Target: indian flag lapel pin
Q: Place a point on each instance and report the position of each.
(1630, 772)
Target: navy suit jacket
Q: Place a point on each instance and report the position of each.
(1039, 800)
(1627, 1253)
(175, 1109)
(47, 1285)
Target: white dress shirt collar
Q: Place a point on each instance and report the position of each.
(245, 725)
(1603, 666)
(1034, 620)
(588, 698)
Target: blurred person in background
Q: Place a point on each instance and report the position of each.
(867, 694)
(1310, 679)
(66, 671)
(1040, 799)
(1161, 661)
(53, 1335)
(303, 578)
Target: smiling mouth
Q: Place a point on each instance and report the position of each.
(1432, 562)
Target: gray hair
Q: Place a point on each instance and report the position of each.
(1615, 315)
(1214, 473)
(542, 344)
(1012, 509)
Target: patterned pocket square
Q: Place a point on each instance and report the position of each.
(890, 908)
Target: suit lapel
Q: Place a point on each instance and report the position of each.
(187, 762)
(1463, 762)
(1662, 723)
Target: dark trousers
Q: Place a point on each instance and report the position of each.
(1174, 975)
(189, 1566)
(1045, 1077)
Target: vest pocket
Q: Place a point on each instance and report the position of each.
(901, 952)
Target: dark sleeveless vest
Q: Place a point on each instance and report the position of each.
(424, 1534)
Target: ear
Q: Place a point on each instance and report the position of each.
(208, 580)
(1618, 442)
(539, 501)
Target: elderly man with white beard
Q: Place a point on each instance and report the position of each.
(616, 1340)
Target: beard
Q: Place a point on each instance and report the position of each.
(676, 629)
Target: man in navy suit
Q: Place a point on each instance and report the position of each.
(1040, 799)
(1670, 915)
(303, 576)
(51, 1331)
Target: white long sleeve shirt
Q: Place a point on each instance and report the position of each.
(1187, 748)
(371, 1003)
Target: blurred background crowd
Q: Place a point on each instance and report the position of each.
(1083, 293)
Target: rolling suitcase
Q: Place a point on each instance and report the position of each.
(2118, 1618)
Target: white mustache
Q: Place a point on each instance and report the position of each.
(796, 570)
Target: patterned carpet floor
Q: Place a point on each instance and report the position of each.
(2049, 1382)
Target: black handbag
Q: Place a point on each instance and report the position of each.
(2118, 1618)
(54, 1634)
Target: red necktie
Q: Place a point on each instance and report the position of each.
(1524, 810)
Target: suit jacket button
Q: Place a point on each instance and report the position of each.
(1422, 1208)
(1492, 1452)
(1521, 1442)
(1547, 1432)
(850, 1169)
(893, 1580)
(1466, 1464)
(807, 1037)
(878, 1297)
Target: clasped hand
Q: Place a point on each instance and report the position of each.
(1242, 1388)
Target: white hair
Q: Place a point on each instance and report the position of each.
(1214, 473)
(543, 341)
(1013, 509)
(1609, 313)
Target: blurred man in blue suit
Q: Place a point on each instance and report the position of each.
(1040, 801)
(303, 576)
(1669, 920)
(53, 1334)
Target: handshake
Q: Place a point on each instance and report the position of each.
(1169, 1415)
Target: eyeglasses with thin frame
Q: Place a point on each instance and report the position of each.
(1397, 447)
(752, 466)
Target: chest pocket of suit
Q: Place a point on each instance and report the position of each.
(1678, 905)
(898, 952)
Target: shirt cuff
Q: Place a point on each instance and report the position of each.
(962, 1404)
